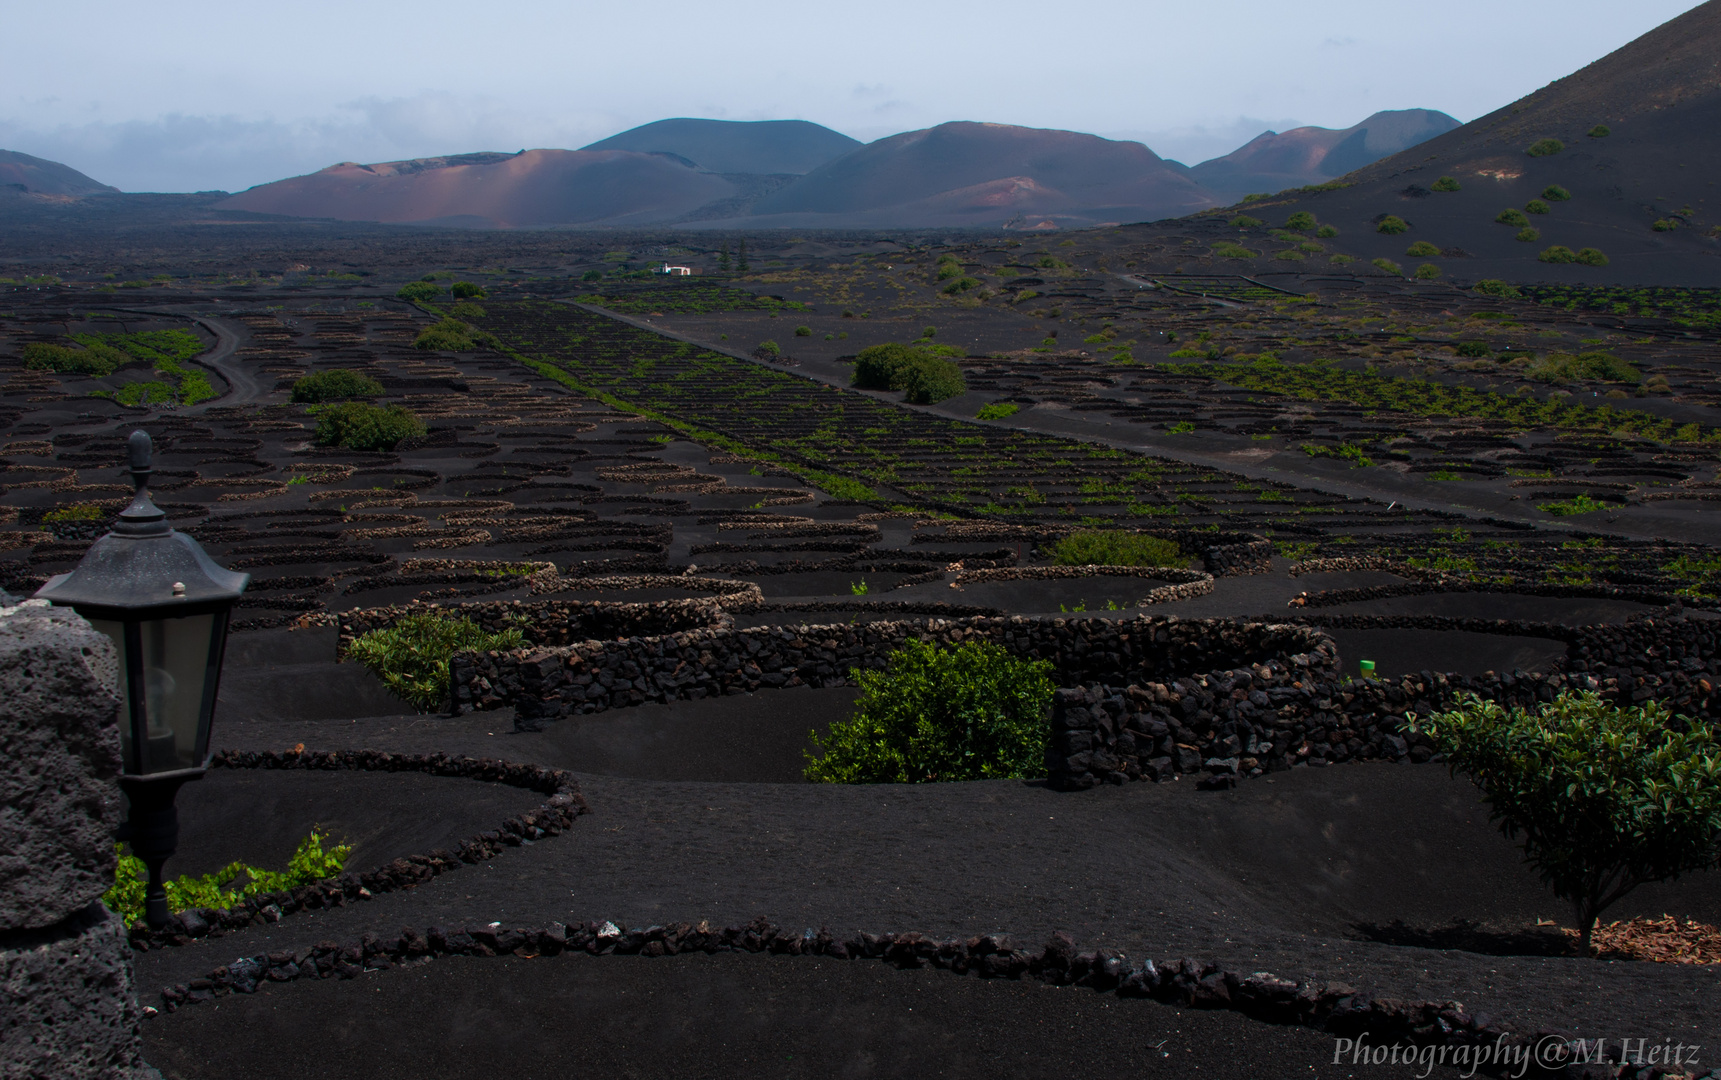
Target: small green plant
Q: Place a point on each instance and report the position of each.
(1114, 547)
(417, 292)
(1427, 272)
(1182, 427)
(337, 385)
(411, 657)
(1422, 249)
(1392, 225)
(449, 334)
(466, 310)
(972, 712)
(466, 290)
(1605, 798)
(1558, 254)
(1326, 232)
(997, 410)
(770, 348)
(1544, 148)
(1555, 193)
(74, 512)
(859, 588)
(1527, 235)
(1244, 221)
(1600, 131)
(1389, 266)
(1474, 349)
(1665, 224)
(1512, 216)
(1559, 367)
(358, 425)
(224, 888)
(1537, 206)
(803, 331)
(95, 359)
(1496, 287)
(1446, 183)
(1227, 249)
(1301, 221)
(1590, 257)
(1580, 503)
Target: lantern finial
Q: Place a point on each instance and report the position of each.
(142, 517)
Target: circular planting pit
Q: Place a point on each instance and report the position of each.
(828, 583)
(1030, 596)
(1566, 610)
(1406, 652)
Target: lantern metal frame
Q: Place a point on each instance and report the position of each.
(143, 571)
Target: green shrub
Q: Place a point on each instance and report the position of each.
(147, 392)
(1326, 232)
(973, 712)
(1536, 206)
(1389, 266)
(1301, 221)
(1227, 249)
(1474, 349)
(1590, 257)
(803, 331)
(933, 380)
(1545, 148)
(96, 359)
(1115, 547)
(997, 410)
(1392, 225)
(1427, 272)
(336, 385)
(1512, 216)
(466, 290)
(225, 887)
(418, 292)
(1559, 367)
(1446, 183)
(1527, 235)
(1600, 131)
(1665, 224)
(769, 348)
(1555, 193)
(925, 375)
(1244, 221)
(74, 512)
(1604, 798)
(1496, 287)
(1291, 255)
(1558, 254)
(449, 335)
(411, 657)
(1422, 249)
(961, 284)
(358, 425)
(466, 309)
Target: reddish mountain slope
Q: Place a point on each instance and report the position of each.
(1274, 161)
(989, 174)
(532, 188)
(40, 177)
(734, 146)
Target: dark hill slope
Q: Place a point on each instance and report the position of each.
(37, 176)
(963, 173)
(733, 146)
(1274, 161)
(531, 188)
(1659, 99)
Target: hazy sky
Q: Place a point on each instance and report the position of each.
(193, 95)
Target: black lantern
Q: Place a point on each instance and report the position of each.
(165, 604)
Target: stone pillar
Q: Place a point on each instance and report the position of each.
(68, 1010)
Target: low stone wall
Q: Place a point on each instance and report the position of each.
(1181, 584)
(1273, 716)
(1253, 556)
(595, 675)
(547, 622)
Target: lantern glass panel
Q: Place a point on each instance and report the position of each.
(175, 665)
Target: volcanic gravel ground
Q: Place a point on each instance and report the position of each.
(714, 1016)
(1285, 874)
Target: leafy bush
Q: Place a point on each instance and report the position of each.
(411, 657)
(358, 425)
(1427, 272)
(1605, 798)
(1512, 216)
(97, 361)
(1536, 206)
(1291, 255)
(1113, 547)
(997, 410)
(1389, 266)
(1446, 183)
(1422, 249)
(1474, 349)
(1558, 254)
(1600, 131)
(466, 309)
(803, 331)
(418, 291)
(466, 290)
(1665, 224)
(1326, 232)
(1545, 148)
(1527, 235)
(336, 385)
(225, 887)
(1555, 193)
(1301, 221)
(1226, 249)
(449, 335)
(1562, 367)
(961, 284)
(1590, 257)
(925, 375)
(1244, 221)
(969, 713)
(1392, 225)
(74, 512)
(1496, 287)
